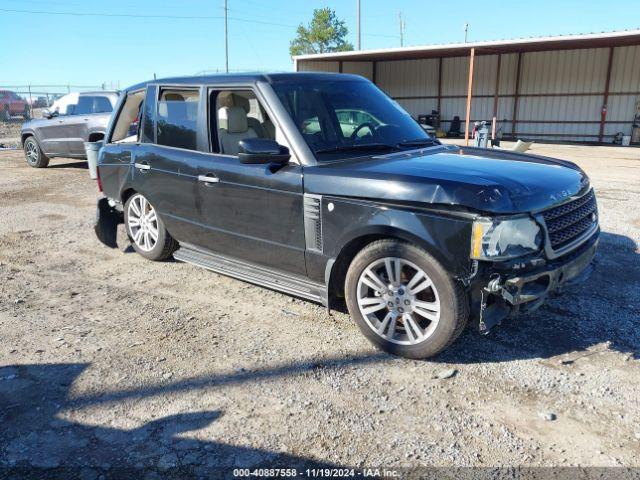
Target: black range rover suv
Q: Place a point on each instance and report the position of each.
(321, 186)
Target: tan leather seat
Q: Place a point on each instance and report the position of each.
(263, 130)
(233, 127)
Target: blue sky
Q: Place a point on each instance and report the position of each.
(43, 48)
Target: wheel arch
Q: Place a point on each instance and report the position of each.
(336, 270)
(26, 134)
(96, 136)
(126, 193)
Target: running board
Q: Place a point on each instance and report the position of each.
(252, 273)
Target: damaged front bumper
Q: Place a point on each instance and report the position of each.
(524, 287)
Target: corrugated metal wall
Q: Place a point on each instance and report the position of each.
(316, 66)
(560, 93)
(625, 79)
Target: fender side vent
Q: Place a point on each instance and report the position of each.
(313, 222)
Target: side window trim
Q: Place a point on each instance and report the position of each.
(149, 105)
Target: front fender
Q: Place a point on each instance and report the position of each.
(446, 237)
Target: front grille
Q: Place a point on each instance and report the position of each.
(567, 222)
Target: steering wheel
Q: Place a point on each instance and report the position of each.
(372, 129)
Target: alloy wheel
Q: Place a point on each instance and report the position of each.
(32, 152)
(398, 301)
(143, 223)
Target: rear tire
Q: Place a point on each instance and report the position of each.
(33, 154)
(6, 116)
(416, 309)
(146, 230)
(26, 114)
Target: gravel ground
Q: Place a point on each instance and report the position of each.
(108, 360)
(10, 133)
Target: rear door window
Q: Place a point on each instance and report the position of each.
(84, 106)
(102, 105)
(176, 120)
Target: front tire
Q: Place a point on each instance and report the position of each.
(33, 154)
(146, 230)
(403, 300)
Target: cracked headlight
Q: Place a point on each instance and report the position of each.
(504, 238)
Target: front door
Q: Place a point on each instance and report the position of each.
(53, 135)
(251, 212)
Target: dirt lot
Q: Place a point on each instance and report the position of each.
(108, 360)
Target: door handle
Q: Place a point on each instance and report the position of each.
(208, 178)
(142, 166)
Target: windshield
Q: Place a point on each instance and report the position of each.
(339, 118)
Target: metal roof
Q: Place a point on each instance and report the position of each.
(560, 42)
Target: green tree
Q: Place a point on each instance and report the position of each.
(325, 33)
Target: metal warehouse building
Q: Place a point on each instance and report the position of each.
(568, 88)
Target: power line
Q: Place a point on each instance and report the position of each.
(126, 15)
(131, 15)
(172, 17)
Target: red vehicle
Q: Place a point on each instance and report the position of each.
(12, 104)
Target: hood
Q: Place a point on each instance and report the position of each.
(485, 180)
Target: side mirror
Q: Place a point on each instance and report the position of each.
(46, 113)
(262, 150)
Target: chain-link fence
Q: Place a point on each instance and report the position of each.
(20, 103)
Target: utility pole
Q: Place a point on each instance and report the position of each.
(226, 39)
(402, 25)
(359, 33)
(466, 31)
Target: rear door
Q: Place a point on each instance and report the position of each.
(166, 163)
(76, 125)
(118, 154)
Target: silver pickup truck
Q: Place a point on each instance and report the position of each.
(62, 131)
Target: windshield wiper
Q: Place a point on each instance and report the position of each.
(419, 142)
(358, 148)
